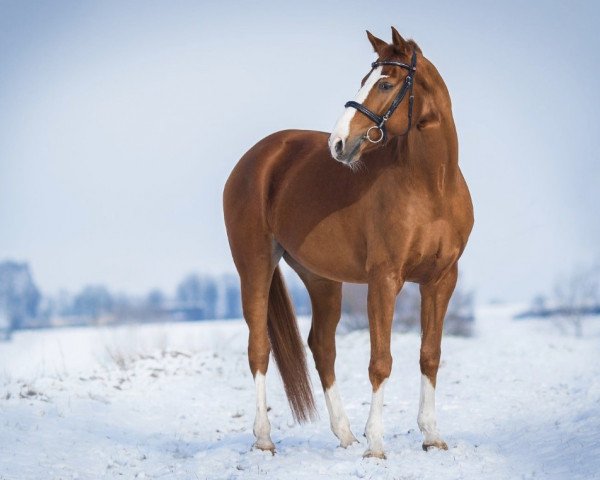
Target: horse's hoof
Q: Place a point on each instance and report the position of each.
(348, 440)
(265, 446)
(374, 454)
(439, 444)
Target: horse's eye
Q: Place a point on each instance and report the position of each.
(385, 86)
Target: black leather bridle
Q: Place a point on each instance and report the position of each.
(407, 87)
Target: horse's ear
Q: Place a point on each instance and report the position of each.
(398, 41)
(377, 43)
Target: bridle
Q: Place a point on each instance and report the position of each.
(407, 86)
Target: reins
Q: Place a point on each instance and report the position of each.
(407, 87)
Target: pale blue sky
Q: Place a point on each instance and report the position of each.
(120, 121)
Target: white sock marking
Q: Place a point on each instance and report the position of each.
(262, 427)
(374, 428)
(340, 425)
(426, 419)
(342, 126)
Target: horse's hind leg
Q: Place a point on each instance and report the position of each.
(326, 301)
(256, 271)
(434, 303)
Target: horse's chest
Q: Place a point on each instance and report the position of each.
(415, 242)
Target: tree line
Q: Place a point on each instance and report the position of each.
(196, 297)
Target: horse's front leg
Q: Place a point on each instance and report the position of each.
(383, 289)
(434, 303)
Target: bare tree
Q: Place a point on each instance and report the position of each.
(577, 295)
(460, 316)
(19, 296)
(94, 303)
(407, 314)
(354, 307)
(198, 295)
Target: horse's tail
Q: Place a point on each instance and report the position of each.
(288, 351)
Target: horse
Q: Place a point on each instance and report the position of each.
(379, 201)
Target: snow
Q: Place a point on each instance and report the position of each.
(176, 401)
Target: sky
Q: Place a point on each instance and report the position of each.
(120, 122)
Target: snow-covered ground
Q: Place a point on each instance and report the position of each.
(177, 401)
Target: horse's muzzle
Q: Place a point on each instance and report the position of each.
(345, 152)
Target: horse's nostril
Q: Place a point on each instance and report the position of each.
(339, 147)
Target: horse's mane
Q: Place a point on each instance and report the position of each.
(392, 49)
(414, 45)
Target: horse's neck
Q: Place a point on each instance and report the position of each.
(431, 155)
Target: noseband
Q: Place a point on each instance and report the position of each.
(407, 86)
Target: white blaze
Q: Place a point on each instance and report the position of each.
(342, 127)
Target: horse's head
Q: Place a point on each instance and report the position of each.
(383, 107)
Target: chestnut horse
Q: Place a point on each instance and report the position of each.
(404, 215)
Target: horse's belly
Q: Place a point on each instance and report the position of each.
(330, 250)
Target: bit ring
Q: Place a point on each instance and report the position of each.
(376, 127)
